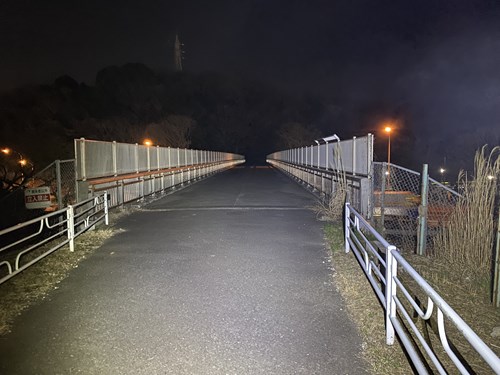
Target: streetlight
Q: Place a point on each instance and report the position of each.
(148, 142)
(442, 171)
(388, 130)
(22, 161)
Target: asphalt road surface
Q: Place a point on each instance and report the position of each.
(227, 276)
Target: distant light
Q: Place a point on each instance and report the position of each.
(148, 142)
(387, 173)
(6, 151)
(388, 129)
(23, 162)
(442, 170)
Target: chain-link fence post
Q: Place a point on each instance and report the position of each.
(58, 184)
(382, 198)
(422, 212)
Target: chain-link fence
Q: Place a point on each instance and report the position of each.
(406, 208)
(60, 177)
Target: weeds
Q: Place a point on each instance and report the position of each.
(466, 243)
(332, 209)
(364, 308)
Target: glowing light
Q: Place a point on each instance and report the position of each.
(6, 151)
(388, 129)
(148, 142)
(23, 162)
(442, 170)
(490, 177)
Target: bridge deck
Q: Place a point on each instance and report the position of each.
(228, 276)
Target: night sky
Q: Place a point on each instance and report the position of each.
(433, 63)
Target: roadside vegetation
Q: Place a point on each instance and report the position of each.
(34, 284)
(364, 308)
(460, 269)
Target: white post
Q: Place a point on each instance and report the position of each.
(115, 164)
(70, 222)
(353, 156)
(106, 209)
(327, 152)
(83, 169)
(148, 157)
(347, 225)
(136, 151)
(391, 271)
(158, 157)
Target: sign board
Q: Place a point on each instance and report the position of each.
(37, 198)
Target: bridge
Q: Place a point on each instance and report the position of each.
(227, 274)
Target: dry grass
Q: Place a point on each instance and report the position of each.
(364, 309)
(35, 283)
(466, 243)
(471, 302)
(333, 208)
(472, 305)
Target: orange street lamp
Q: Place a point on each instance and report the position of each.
(388, 130)
(148, 142)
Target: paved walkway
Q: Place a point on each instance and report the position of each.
(228, 276)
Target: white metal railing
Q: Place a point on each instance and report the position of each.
(67, 223)
(380, 262)
(97, 159)
(353, 156)
(323, 165)
(124, 189)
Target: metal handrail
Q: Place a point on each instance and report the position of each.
(90, 211)
(395, 290)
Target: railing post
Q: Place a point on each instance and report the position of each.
(59, 185)
(347, 225)
(327, 165)
(158, 157)
(382, 198)
(148, 158)
(354, 152)
(115, 164)
(122, 193)
(136, 154)
(83, 167)
(70, 222)
(391, 271)
(422, 212)
(106, 209)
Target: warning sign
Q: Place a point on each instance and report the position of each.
(37, 198)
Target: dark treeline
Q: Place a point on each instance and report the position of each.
(131, 103)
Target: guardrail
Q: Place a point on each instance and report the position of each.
(380, 262)
(34, 234)
(324, 182)
(331, 160)
(133, 187)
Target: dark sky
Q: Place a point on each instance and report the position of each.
(436, 61)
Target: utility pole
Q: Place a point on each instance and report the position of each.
(177, 54)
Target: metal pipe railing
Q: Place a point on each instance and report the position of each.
(70, 221)
(392, 291)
